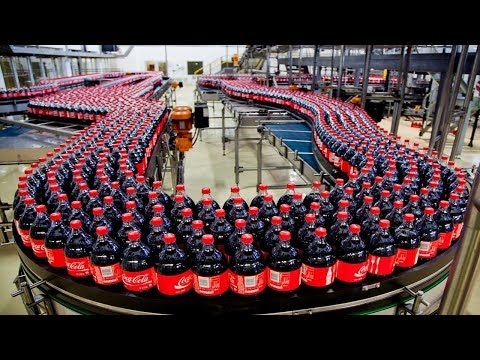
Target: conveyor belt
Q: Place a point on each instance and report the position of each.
(298, 137)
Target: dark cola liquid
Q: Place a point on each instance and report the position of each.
(184, 231)
(271, 238)
(237, 212)
(57, 235)
(256, 227)
(122, 237)
(113, 215)
(267, 211)
(305, 236)
(311, 197)
(207, 215)
(199, 206)
(79, 214)
(155, 240)
(221, 231)
(105, 253)
(79, 244)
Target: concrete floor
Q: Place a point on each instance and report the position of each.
(205, 166)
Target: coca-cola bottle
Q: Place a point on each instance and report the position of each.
(284, 265)
(340, 230)
(174, 275)
(364, 210)
(314, 195)
(207, 214)
(377, 188)
(20, 208)
(119, 197)
(297, 211)
(408, 243)
(287, 197)
(163, 197)
(352, 203)
(457, 215)
(327, 209)
(55, 241)
(210, 270)
(132, 196)
(233, 242)
(26, 219)
(129, 181)
(77, 251)
(434, 194)
(247, 275)
(64, 207)
(238, 211)
(138, 218)
(344, 205)
(127, 225)
(22, 185)
(370, 224)
(337, 193)
(255, 226)
(78, 214)
(424, 200)
(52, 202)
(306, 234)
(258, 200)
(180, 190)
(396, 194)
(271, 237)
(105, 259)
(92, 203)
(429, 235)
(361, 195)
(112, 214)
(384, 204)
(184, 228)
(319, 263)
(268, 210)
(99, 220)
(138, 265)
(353, 183)
(38, 231)
(193, 243)
(445, 225)
(382, 251)
(105, 188)
(176, 213)
(352, 257)
(155, 236)
(315, 210)
(413, 207)
(221, 229)
(142, 190)
(206, 195)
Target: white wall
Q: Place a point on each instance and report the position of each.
(177, 57)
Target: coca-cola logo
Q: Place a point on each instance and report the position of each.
(184, 282)
(76, 265)
(38, 247)
(139, 279)
(361, 272)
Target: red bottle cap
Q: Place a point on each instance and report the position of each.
(353, 176)
(157, 221)
(187, 212)
(237, 200)
(180, 187)
(284, 208)
(123, 168)
(102, 230)
(34, 165)
(339, 182)
(129, 173)
(158, 208)
(408, 217)
(76, 204)
(140, 178)
(40, 208)
(157, 184)
(321, 232)
(342, 215)
(364, 170)
(462, 182)
(29, 200)
(152, 195)
(349, 190)
(97, 211)
(343, 203)
(298, 196)
(315, 205)
(262, 187)
(23, 193)
(253, 210)
(131, 190)
(284, 235)
(433, 184)
(398, 204)
(355, 229)
(127, 217)
(385, 193)
(62, 197)
(55, 216)
(247, 238)
(179, 198)
(443, 204)
(169, 238)
(234, 189)
(424, 191)
(368, 199)
(207, 239)
(397, 187)
(290, 185)
(130, 204)
(197, 224)
(134, 235)
(428, 210)
(268, 197)
(375, 210)
(22, 185)
(276, 220)
(205, 190)
(75, 224)
(108, 199)
(366, 185)
(384, 223)
(454, 196)
(378, 179)
(55, 187)
(219, 213)
(310, 218)
(22, 178)
(414, 197)
(240, 223)
(316, 184)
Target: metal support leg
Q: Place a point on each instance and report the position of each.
(14, 72)
(366, 74)
(467, 259)
(475, 123)
(259, 160)
(223, 129)
(463, 123)
(340, 71)
(396, 103)
(237, 155)
(406, 64)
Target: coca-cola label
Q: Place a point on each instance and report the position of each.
(345, 166)
(351, 273)
(78, 267)
(318, 276)
(210, 285)
(56, 257)
(38, 247)
(445, 240)
(380, 265)
(457, 230)
(175, 284)
(140, 280)
(25, 235)
(407, 257)
(284, 280)
(428, 249)
(107, 275)
(247, 285)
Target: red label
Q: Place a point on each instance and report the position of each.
(211, 285)
(345, 166)
(247, 285)
(283, 281)
(318, 276)
(351, 273)
(457, 230)
(38, 247)
(25, 234)
(428, 249)
(380, 265)
(56, 257)
(407, 257)
(139, 280)
(445, 240)
(175, 284)
(78, 267)
(107, 275)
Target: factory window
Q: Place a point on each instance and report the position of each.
(162, 66)
(75, 69)
(193, 66)
(36, 69)
(7, 73)
(21, 65)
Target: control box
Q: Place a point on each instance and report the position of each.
(201, 118)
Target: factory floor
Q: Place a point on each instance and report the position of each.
(206, 166)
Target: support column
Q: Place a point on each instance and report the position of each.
(80, 68)
(444, 96)
(406, 64)
(331, 72)
(463, 123)
(395, 116)
(366, 74)
(14, 72)
(30, 71)
(356, 79)
(340, 71)
(314, 77)
(290, 63)
(42, 69)
(267, 54)
(2, 80)
(447, 117)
